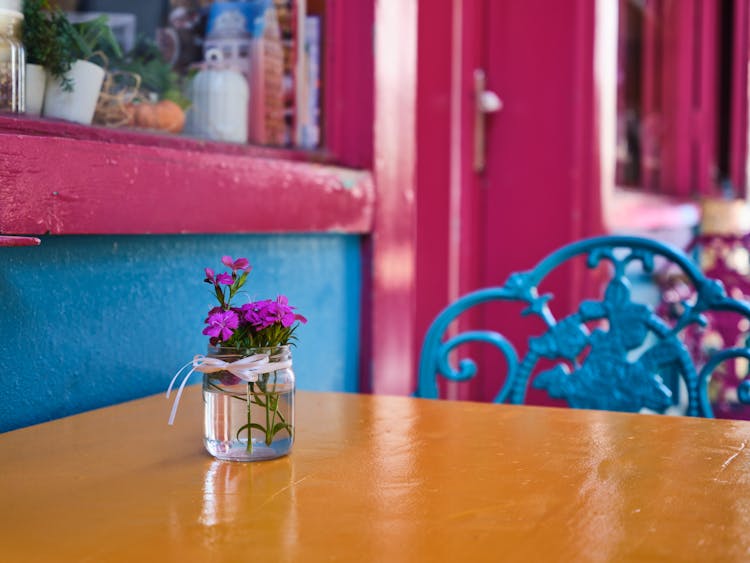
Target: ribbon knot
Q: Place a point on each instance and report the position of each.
(247, 369)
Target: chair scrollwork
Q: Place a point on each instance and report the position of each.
(611, 353)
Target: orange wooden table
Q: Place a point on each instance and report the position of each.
(379, 479)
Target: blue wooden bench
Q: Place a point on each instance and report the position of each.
(612, 353)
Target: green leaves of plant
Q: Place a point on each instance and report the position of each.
(95, 35)
(53, 42)
(48, 38)
(269, 401)
(279, 426)
(157, 75)
(251, 425)
(238, 283)
(219, 295)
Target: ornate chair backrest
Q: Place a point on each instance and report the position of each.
(610, 354)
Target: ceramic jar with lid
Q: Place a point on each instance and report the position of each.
(220, 97)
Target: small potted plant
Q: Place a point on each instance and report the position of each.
(73, 95)
(49, 50)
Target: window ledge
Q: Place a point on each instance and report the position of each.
(60, 178)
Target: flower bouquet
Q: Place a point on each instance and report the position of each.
(248, 382)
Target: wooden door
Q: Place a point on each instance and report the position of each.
(541, 185)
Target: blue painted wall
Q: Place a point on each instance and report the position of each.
(92, 321)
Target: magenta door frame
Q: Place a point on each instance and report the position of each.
(389, 291)
(435, 255)
(738, 148)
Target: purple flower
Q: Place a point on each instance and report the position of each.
(261, 323)
(262, 314)
(212, 312)
(221, 324)
(283, 311)
(223, 278)
(258, 315)
(240, 264)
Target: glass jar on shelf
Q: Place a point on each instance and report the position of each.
(12, 58)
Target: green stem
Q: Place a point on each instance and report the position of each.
(249, 418)
(276, 410)
(257, 399)
(269, 428)
(262, 398)
(225, 392)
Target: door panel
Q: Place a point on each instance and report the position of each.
(540, 189)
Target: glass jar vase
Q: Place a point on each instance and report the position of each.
(249, 420)
(12, 61)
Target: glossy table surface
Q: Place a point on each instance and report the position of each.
(379, 478)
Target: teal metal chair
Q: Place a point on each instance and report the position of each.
(611, 354)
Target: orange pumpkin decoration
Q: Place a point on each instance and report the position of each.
(164, 116)
(145, 115)
(169, 116)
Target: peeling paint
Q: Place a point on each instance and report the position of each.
(163, 190)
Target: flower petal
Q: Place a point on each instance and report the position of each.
(212, 312)
(224, 278)
(211, 330)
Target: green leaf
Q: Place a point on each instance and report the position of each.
(219, 294)
(48, 38)
(240, 429)
(157, 75)
(251, 425)
(279, 426)
(241, 280)
(174, 95)
(237, 284)
(95, 35)
(273, 401)
(258, 401)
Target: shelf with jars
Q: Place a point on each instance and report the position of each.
(141, 168)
